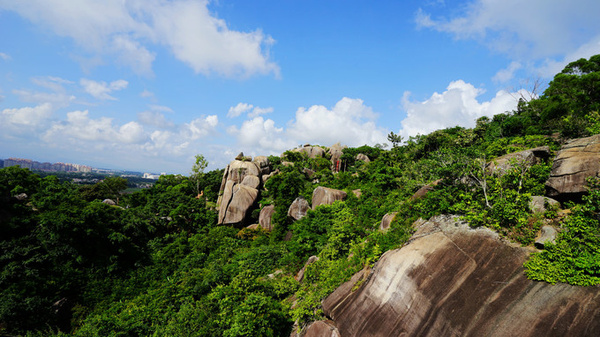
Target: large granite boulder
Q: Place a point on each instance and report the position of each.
(528, 157)
(265, 217)
(239, 190)
(452, 280)
(298, 208)
(237, 200)
(326, 196)
(336, 151)
(577, 160)
(311, 151)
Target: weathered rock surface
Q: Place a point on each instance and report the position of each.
(451, 280)
(326, 196)
(239, 189)
(298, 208)
(386, 221)
(311, 260)
(311, 151)
(527, 157)
(363, 157)
(265, 217)
(538, 203)
(322, 329)
(336, 151)
(547, 235)
(237, 199)
(263, 164)
(576, 161)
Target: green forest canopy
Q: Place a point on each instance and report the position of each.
(158, 264)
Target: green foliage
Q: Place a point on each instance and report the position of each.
(575, 257)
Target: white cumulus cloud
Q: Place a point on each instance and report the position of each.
(28, 118)
(457, 106)
(130, 30)
(349, 122)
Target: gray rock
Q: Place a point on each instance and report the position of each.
(547, 235)
(298, 208)
(538, 203)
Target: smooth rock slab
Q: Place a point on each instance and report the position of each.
(451, 280)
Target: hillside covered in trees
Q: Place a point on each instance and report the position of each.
(158, 262)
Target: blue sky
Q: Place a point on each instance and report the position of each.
(146, 85)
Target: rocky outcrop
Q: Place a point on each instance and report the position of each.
(527, 157)
(538, 203)
(336, 151)
(386, 221)
(298, 208)
(311, 151)
(451, 280)
(265, 217)
(239, 188)
(326, 196)
(577, 160)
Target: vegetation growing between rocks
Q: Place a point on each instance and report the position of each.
(157, 263)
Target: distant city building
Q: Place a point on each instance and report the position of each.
(153, 176)
(35, 165)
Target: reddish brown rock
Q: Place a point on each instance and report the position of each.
(425, 189)
(265, 217)
(451, 280)
(298, 208)
(321, 329)
(575, 162)
(326, 196)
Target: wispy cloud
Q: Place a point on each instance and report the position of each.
(101, 90)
